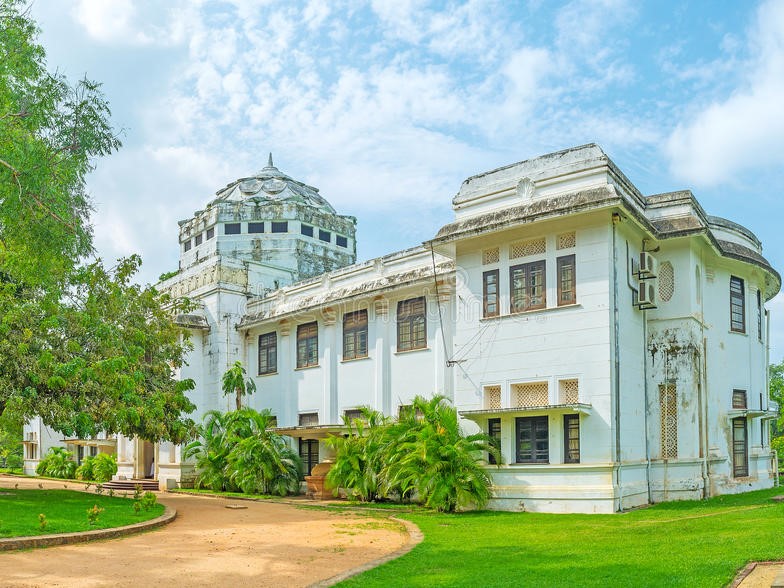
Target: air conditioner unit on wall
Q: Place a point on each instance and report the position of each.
(645, 298)
(648, 266)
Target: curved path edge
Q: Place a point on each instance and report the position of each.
(18, 543)
(415, 537)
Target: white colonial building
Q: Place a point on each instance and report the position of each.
(616, 344)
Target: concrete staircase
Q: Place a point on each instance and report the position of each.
(130, 485)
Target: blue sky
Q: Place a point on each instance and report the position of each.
(387, 105)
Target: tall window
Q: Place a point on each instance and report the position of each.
(411, 324)
(490, 293)
(268, 353)
(567, 293)
(210, 233)
(739, 399)
(325, 235)
(355, 334)
(759, 315)
(740, 455)
(737, 305)
(307, 345)
(306, 230)
(533, 443)
(232, 228)
(571, 438)
(668, 408)
(309, 453)
(494, 432)
(341, 241)
(198, 239)
(527, 286)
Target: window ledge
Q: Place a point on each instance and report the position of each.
(306, 367)
(407, 351)
(744, 333)
(275, 373)
(353, 359)
(530, 312)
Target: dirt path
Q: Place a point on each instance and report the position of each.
(265, 544)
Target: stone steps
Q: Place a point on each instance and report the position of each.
(130, 485)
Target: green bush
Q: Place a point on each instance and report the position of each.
(86, 471)
(104, 467)
(57, 464)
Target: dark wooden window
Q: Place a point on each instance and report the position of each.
(567, 289)
(280, 227)
(355, 334)
(411, 324)
(740, 455)
(325, 235)
(527, 286)
(268, 353)
(309, 453)
(93, 451)
(571, 438)
(198, 240)
(308, 419)
(533, 442)
(341, 241)
(490, 293)
(307, 345)
(739, 399)
(210, 233)
(306, 230)
(737, 305)
(232, 229)
(494, 432)
(759, 315)
(187, 245)
(255, 227)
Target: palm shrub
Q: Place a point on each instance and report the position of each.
(239, 451)
(358, 456)
(57, 464)
(211, 452)
(427, 454)
(260, 461)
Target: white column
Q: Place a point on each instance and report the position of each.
(329, 367)
(382, 384)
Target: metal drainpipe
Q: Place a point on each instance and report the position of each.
(705, 407)
(645, 412)
(616, 218)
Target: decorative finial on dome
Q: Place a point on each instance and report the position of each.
(269, 161)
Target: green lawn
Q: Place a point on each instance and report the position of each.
(65, 510)
(700, 543)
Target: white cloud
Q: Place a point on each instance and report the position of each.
(125, 22)
(745, 130)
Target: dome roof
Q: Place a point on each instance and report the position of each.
(271, 186)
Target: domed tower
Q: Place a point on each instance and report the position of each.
(279, 228)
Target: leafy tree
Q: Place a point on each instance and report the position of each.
(235, 382)
(10, 442)
(428, 454)
(57, 463)
(358, 455)
(776, 379)
(80, 345)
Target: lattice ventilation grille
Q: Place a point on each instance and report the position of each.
(668, 406)
(566, 240)
(526, 248)
(568, 392)
(666, 281)
(530, 395)
(490, 256)
(308, 419)
(492, 397)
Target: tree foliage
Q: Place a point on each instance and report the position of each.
(238, 450)
(81, 346)
(235, 382)
(776, 380)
